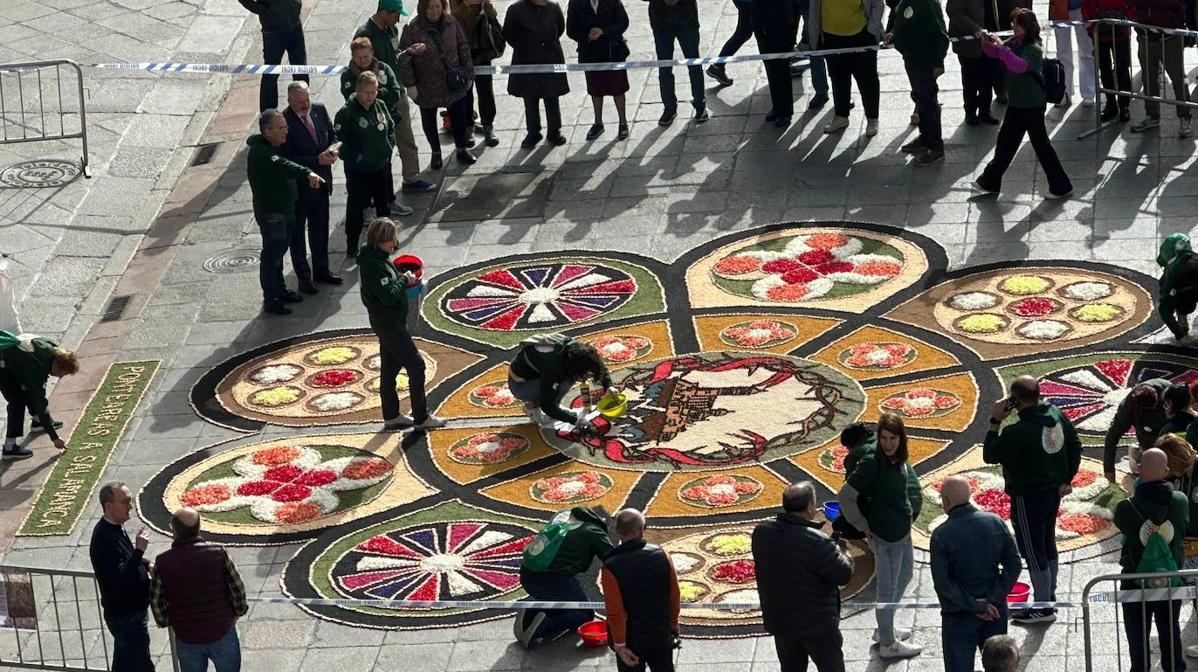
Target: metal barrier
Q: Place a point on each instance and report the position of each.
(1127, 597)
(28, 112)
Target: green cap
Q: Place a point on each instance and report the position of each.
(1173, 243)
(392, 6)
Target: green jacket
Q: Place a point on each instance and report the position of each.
(30, 370)
(275, 14)
(919, 33)
(582, 545)
(1037, 452)
(1158, 502)
(893, 493)
(367, 135)
(272, 177)
(385, 42)
(382, 292)
(1147, 424)
(543, 359)
(389, 87)
(1024, 89)
(1173, 287)
(867, 447)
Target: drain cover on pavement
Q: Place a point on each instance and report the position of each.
(39, 173)
(232, 261)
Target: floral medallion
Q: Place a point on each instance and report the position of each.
(494, 394)
(877, 356)
(571, 487)
(920, 403)
(488, 448)
(721, 491)
(832, 458)
(759, 334)
(622, 349)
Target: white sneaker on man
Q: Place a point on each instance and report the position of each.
(900, 635)
(899, 649)
(398, 422)
(837, 124)
(1192, 651)
(431, 422)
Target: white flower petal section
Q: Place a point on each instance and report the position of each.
(796, 246)
(1042, 330)
(491, 290)
(342, 483)
(1099, 422)
(278, 373)
(851, 278)
(973, 301)
(336, 401)
(583, 281)
(373, 562)
(485, 540)
(245, 466)
(1088, 291)
(1089, 492)
(764, 285)
(818, 288)
(1087, 379)
(873, 258)
(460, 585)
(848, 249)
(325, 499)
(541, 313)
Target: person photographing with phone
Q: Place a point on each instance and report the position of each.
(1039, 454)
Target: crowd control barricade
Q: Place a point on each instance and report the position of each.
(36, 105)
(1104, 597)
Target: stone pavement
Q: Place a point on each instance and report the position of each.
(147, 221)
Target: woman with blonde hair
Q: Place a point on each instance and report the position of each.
(384, 294)
(26, 363)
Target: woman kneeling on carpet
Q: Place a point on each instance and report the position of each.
(545, 369)
(382, 287)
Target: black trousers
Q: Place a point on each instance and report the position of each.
(532, 114)
(658, 657)
(926, 94)
(15, 398)
(485, 87)
(1114, 70)
(311, 213)
(1137, 623)
(1017, 122)
(275, 43)
(977, 84)
(365, 188)
(459, 122)
(824, 648)
(862, 67)
(743, 30)
(398, 352)
(777, 71)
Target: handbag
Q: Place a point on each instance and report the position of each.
(489, 37)
(457, 79)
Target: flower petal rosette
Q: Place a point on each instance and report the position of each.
(615, 349)
(759, 333)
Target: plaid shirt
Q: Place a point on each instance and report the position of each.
(161, 608)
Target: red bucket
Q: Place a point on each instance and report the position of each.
(410, 262)
(593, 633)
(1019, 593)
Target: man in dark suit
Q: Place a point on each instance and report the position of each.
(310, 137)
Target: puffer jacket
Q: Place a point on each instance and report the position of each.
(973, 557)
(447, 47)
(799, 574)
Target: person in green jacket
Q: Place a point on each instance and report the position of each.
(544, 371)
(1039, 454)
(282, 32)
(883, 479)
(366, 131)
(272, 183)
(1142, 409)
(920, 36)
(1155, 507)
(1178, 285)
(383, 289)
(586, 542)
(25, 365)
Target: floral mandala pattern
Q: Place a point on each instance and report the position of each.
(877, 356)
(1089, 394)
(716, 492)
(571, 487)
(488, 448)
(920, 403)
(494, 395)
(759, 334)
(622, 349)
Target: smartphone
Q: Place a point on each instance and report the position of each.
(1010, 404)
(335, 147)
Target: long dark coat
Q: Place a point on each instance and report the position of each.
(611, 18)
(533, 32)
(427, 71)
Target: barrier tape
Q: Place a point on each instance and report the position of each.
(1149, 595)
(259, 69)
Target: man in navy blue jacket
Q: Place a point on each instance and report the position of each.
(310, 143)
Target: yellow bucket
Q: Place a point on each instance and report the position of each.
(612, 405)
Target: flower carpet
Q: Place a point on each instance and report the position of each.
(742, 360)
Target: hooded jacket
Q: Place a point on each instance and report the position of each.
(973, 557)
(1039, 451)
(543, 358)
(1147, 423)
(272, 177)
(1176, 292)
(582, 545)
(1154, 504)
(893, 502)
(382, 291)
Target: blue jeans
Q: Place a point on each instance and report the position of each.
(688, 41)
(895, 563)
(225, 654)
(276, 229)
(819, 70)
(962, 635)
(130, 643)
(274, 44)
(555, 588)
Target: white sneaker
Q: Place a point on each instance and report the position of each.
(898, 650)
(537, 416)
(399, 421)
(400, 210)
(431, 422)
(899, 635)
(871, 128)
(1185, 130)
(836, 125)
(1192, 651)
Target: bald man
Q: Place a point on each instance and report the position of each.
(1040, 454)
(640, 589)
(974, 566)
(1155, 508)
(198, 592)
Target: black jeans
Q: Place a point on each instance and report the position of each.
(130, 643)
(962, 636)
(365, 188)
(553, 114)
(276, 229)
(823, 647)
(977, 84)
(486, 98)
(15, 398)
(925, 92)
(459, 122)
(1137, 623)
(743, 30)
(777, 71)
(396, 352)
(1017, 122)
(658, 657)
(1114, 70)
(312, 214)
(860, 66)
(274, 44)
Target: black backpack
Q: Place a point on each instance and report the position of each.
(1052, 78)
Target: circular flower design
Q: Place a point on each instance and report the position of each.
(444, 560)
(727, 544)
(806, 267)
(832, 459)
(720, 491)
(692, 591)
(1034, 306)
(334, 378)
(278, 373)
(333, 355)
(493, 395)
(1088, 394)
(285, 484)
(332, 402)
(571, 487)
(981, 323)
(1043, 330)
(733, 571)
(1097, 312)
(919, 403)
(488, 448)
(279, 395)
(1086, 291)
(684, 562)
(538, 296)
(877, 356)
(971, 301)
(759, 333)
(621, 349)
(1025, 285)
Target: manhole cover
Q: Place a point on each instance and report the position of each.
(39, 173)
(233, 261)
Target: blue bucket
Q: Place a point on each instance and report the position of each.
(831, 510)
(415, 291)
